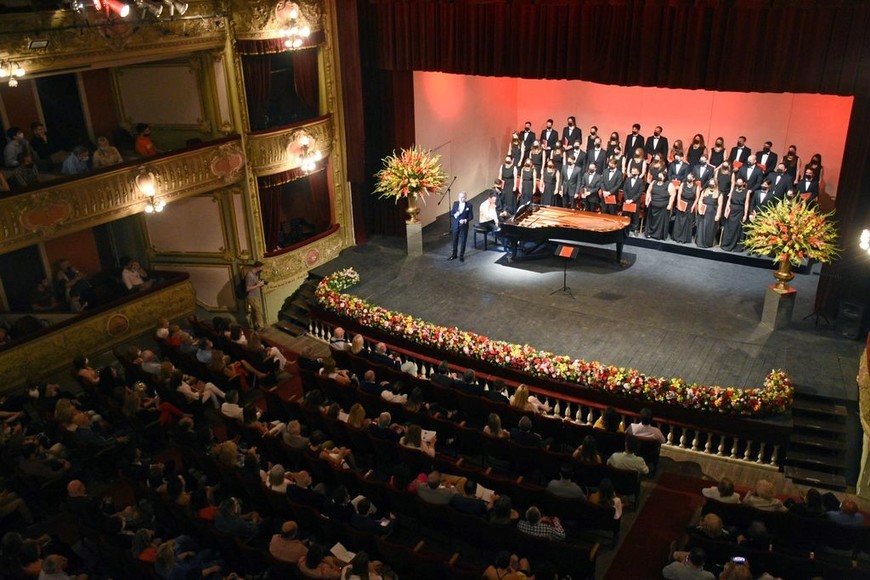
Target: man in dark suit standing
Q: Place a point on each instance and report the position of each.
(780, 181)
(611, 182)
(807, 188)
(633, 141)
(633, 188)
(703, 171)
(527, 136)
(655, 143)
(740, 153)
(590, 185)
(762, 199)
(678, 170)
(460, 217)
(571, 134)
(570, 181)
(752, 175)
(549, 135)
(767, 158)
(597, 156)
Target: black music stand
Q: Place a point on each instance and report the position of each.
(567, 253)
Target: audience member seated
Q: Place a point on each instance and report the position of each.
(360, 568)
(442, 376)
(709, 528)
(723, 492)
(337, 340)
(75, 284)
(606, 495)
(522, 434)
(609, 421)
(358, 346)
(25, 174)
(394, 393)
(356, 417)
(106, 155)
(416, 439)
(176, 562)
(341, 376)
(385, 428)
(144, 146)
(338, 507)
(370, 385)
(232, 521)
(467, 502)
(135, 277)
(690, 568)
(77, 162)
(292, 436)
(337, 457)
(433, 491)
(523, 401)
(287, 547)
(367, 520)
(645, 430)
(503, 512)
(302, 492)
(468, 384)
(275, 479)
(540, 526)
(847, 515)
(629, 459)
(318, 563)
(565, 486)
(762, 498)
(755, 537)
(508, 566)
(811, 507)
(381, 357)
(493, 427)
(45, 154)
(15, 146)
(587, 451)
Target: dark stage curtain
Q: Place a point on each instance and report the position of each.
(305, 78)
(270, 211)
(258, 86)
(810, 46)
(294, 194)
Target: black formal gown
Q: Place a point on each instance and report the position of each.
(693, 154)
(509, 194)
(732, 237)
(635, 164)
(716, 157)
(549, 193)
(791, 166)
(557, 159)
(657, 217)
(516, 153)
(537, 160)
(684, 221)
(707, 226)
(527, 185)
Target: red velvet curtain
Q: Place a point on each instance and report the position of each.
(305, 77)
(814, 46)
(270, 211)
(258, 85)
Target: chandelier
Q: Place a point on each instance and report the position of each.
(296, 32)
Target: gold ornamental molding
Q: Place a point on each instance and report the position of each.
(92, 40)
(79, 204)
(277, 150)
(264, 19)
(287, 268)
(39, 358)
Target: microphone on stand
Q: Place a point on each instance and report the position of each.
(446, 191)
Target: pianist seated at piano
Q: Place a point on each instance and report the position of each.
(488, 214)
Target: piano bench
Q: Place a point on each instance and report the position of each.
(479, 229)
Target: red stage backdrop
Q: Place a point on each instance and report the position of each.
(469, 119)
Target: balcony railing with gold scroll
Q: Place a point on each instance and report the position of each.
(67, 205)
(274, 150)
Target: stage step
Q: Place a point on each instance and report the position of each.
(818, 441)
(290, 328)
(816, 478)
(819, 460)
(802, 406)
(294, 317)
(819, 424)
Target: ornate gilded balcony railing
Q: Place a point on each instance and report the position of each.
(66, 206)
(275, 150)
(54, 348)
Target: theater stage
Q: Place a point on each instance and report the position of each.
(663, 313)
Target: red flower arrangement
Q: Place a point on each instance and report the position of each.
(774, 397)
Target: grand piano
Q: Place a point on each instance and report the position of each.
(541, 224)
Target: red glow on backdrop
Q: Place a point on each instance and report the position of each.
(477, 114)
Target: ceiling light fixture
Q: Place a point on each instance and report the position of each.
(310, 156)
(295, 33)
(119, 8)
(176, 6)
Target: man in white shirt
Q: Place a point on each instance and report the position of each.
(645, 429)
(488, 216)
(231, 408)
(629, 459)
(133, 276)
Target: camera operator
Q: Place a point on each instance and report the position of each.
(254, 298)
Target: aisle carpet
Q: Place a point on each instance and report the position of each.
(663, 518)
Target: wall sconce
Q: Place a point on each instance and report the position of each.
(310, 156)
(13, 71)
(295, 33)
(176, 6)
(146, 183)
(146, 6)
(864, 241)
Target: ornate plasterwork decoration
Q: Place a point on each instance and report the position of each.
(39, 358)
(284, 269)
(277, 150)
(32, 217)
(92, 39)
(264, 19)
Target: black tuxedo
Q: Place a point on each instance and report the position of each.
(804, 187)
(611, 184)
(745, 152)
(550, 138)
(678, 171)
(781, 186)
(752, 180)
(652, 148)
(599, 159)
(459, 222)
(632, 142)
(570, 184)
(590, 184)
(772, 160)
(527, 139)
(703, 173)
(633, 193)
(757, 204)
(571, 135)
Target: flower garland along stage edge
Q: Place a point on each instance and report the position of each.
(774, 397)
(792, 230)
